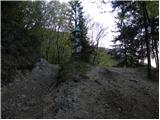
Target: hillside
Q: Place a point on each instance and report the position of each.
(91, 92)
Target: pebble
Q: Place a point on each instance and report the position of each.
(106, 105)
(25, 108)
(19, 104)
(119, 109)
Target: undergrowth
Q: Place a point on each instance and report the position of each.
(70, 70)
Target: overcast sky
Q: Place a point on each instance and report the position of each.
(95, 10)
(102, 14)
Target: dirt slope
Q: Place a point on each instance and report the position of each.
(106, 93)
(98, 93)
(24, 97)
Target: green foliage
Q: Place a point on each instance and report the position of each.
(152, 8)
(106, 59)
(19, 42)
(134, 40)
(48, 48)
(103, 58)
(55, 44)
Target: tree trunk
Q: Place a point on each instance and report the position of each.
(156, 48)
(94, 57)
(96, 53)
(57, 45)
(154, 44)
(145, 14)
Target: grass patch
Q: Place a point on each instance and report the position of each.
(106, 60)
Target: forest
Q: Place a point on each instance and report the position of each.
(54, 47)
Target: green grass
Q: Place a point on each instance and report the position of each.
(105, 59)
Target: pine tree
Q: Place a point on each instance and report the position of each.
(77, 19)
(137, 33)
(127, 49)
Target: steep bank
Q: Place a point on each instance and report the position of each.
(24, 97)
(91, 92)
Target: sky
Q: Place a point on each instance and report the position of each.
(93, 9)
(96, 11)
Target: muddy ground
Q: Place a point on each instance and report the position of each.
(100, 92)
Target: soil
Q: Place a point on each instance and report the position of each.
(101, 92)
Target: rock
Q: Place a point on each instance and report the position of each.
(119, 109)
(23, 96)
(107, 106)
(133, 80)
(19, 104)
(31, 102)
(24, 108)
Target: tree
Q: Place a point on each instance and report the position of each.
(96, 33)
(145, 16)
(19, 42)
(77, 19)
(55, 40)
(153, 17)
(136, 32)
(129, 47)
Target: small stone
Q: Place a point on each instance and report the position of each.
(31, 102)
(106, 105)
(134, 80)
(23, 96)
(19, 104)
(25, 108)
(119, 109)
